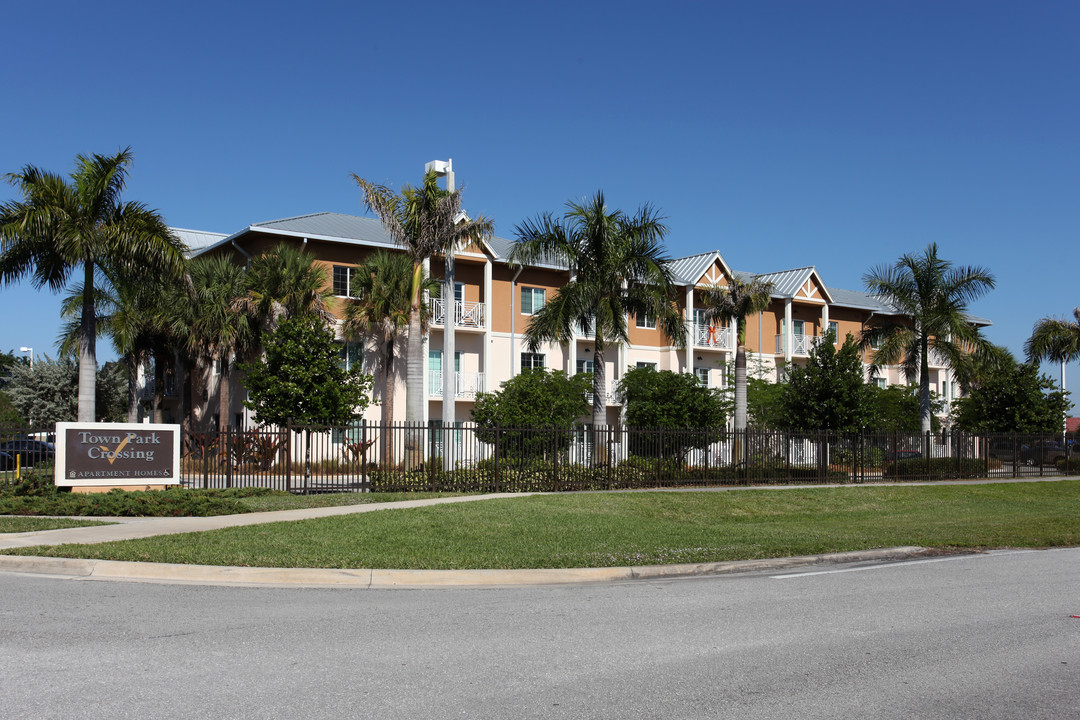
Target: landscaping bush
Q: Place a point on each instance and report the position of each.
(175, 502)
(1067, 466)
(946, 468)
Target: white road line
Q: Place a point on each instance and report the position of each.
(897, 564)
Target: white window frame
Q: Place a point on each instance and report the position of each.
(349, 272)
(529, 360)
(351, 353)
(645, 321)
(585, 366)
(702, 375)
(834, 327)
(642, 364)
(531, 293)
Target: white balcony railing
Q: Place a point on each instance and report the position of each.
(467, 314)
(611, 397)
(800, 344)
(715, 336)
(468, 384)
(151, 387)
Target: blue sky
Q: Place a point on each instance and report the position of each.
(834, 134)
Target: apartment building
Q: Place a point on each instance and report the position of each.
(493, 303)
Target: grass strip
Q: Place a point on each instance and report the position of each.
(617, 529)
(12, 524)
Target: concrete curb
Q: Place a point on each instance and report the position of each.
(112, 570)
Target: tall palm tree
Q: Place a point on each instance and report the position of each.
(59, 226)
(617, 267)
(129, 312)
(425, 221)
(931, 297)
(382, 288)
(211, 327)
(1055, 340)
(737, 301)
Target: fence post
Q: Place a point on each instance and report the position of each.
(926, 449)
(288, 455)
(227, 448)
(363, 454)
(660, 460)
(496, 479)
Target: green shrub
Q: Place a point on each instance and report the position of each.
(944, 468)
(175, 502)
(1067, 466)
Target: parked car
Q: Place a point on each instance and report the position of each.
(1007, 450)
(1044, 453)
(29, 452)
(7, 461)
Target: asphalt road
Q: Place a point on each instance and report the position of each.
(970, 637)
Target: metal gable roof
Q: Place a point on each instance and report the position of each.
(688, 270)
(197, 240)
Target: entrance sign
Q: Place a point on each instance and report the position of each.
(117, 454)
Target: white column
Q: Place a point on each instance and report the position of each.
(789, 337)
(690, 330)
(825, 321)
(427, 343)
(487, 340)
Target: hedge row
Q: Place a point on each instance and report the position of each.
(945, 468)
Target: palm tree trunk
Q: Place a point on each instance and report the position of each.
(388, 402)
(133, 387)
(415, 392)
(224, 393)
(739, 456)
(924, 391)
(159, 390)
(599, 401)
(88, 348)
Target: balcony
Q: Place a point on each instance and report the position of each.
(151, 386)
(801, 345)
(466, 315)
(468, 384)
(714, 336)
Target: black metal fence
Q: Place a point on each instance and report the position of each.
(368, 456)
(365, 456)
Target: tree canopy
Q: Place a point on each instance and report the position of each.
(1014, 398)
(829, 392)
(656, 399)
(301, 378)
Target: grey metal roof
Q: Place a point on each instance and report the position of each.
(197, 240)
(688, 270)
(333, 226)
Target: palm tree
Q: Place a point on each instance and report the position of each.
(931, 299)
(737, 301)
(424, 221)
(1055, 340)
(212, 329)
(381, 286)
(617, 267)
(283, 283)
(129, 314)
(58, 226)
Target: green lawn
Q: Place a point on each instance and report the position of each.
(12, 524)
(615, 529)
(288, 501)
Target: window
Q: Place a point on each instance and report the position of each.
(532, 299)
(798, 327)
(585, 366)
(343, 275)
(645, 320)
(881, 382)
(834, 330)
(702, 374)
(651, 366)
(351, 355)
(532, 361)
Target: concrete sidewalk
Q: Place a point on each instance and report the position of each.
(127, 528)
